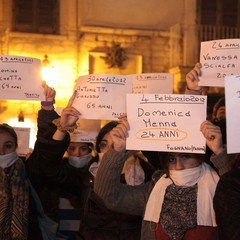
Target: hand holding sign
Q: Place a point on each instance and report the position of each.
(119, 135)
(192, 78)
(69, 115)
(213, 136)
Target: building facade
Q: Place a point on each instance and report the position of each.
(80, 37)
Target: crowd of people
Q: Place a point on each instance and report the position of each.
(102, 191)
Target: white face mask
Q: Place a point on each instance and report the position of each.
(8, 159)
(186, 177)
(79, 162)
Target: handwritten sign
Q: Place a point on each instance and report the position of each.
(232, 101)
(152, 83)
(166, 122)
(23, 135)
(102, 96)
(86, 131)
(20, 78)
(219, 58)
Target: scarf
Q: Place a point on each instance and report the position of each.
(187, 177)
(206, 189)
(14, 202)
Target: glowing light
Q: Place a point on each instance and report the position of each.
(48, 72)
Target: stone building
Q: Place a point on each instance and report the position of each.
(80, 37)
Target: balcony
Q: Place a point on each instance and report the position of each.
(211, 32)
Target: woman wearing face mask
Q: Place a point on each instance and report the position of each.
(179, 205)
(21, 213)
(103, 141)
(78, 156)
(54, 177)
(61, 182)
(97, 221)
(18, 214)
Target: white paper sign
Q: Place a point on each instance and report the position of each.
(20, 78)
(86, 131)
(166, 122)
(152, 83)
(102, 96)
(23, 135)
(219, 58)
(232, 101)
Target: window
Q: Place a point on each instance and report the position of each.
(36, 16)
(220, 12)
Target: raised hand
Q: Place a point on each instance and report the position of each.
(49, 92)
(67, 121)
(213, 136)
(119, 134)
(192, 78)
(69, 115)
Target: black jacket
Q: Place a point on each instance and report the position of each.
(43, 149)
(227, 205)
